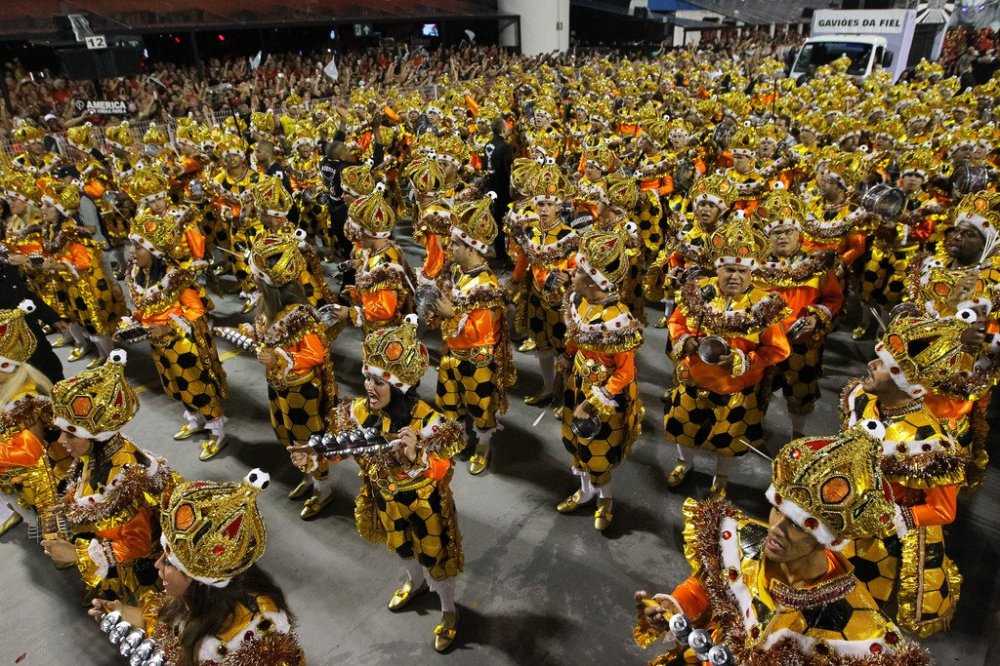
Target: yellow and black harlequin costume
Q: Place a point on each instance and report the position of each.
(113, 492)
(213, 533)
(477, 364)
(601, 343)
(807, 283)
(37, 165)
(307, 184)
(384, 287)
(834, 225)
(301, 384)
(712, 408)
(97, 182)
(737, 595)
(165, 294)
(406, 504)
(229, 190)
(434, 180)
(926, 469)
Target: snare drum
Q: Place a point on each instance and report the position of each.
(884, 200)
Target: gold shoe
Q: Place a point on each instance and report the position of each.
(315, 505)
(718, 489)
(572, 503)
(859, 333)
(46, 329)
(60, 342)
(661, 324)
(11, 523)
(94, 362)
(220, 269)
(479, 461)
(444, 633)
(187, 431)
(603, 516)
(402, 597)
(77, 353)
(677, 475)
(527, 346)
(539, 400)
(304, 488)
(248, 306)
(211, 447)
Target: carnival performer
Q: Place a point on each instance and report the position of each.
(724, 336)
(923, 464)
(477, 365)
(293, 345)
(218, 607)
(781, 592)
(807, 282)
(601, 409)
(405, 500)
(548, 254)
(167, 306)
(113, 487)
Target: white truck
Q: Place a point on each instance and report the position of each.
(890, 38)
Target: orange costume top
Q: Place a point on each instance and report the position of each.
(807, 283)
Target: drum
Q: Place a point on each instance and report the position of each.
(426, 299)
(712, 348)
(969, 179)
(884, 200)
(586, 428)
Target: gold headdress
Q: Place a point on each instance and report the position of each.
(832, 487)
(844, 167)
(277, 259)
(148, 184)
(549, 183)
(474, 224)
(522, 172)
(743, 142)
(602, 257)
(17, 342)
(374, 213)
(187, 131)
(303, 133)
(736, 242)
(396, 355)
(213, 531)
(271, 197)
(95, 404)
(358, 180)
(158, 234)
(431, 175)
(262, 121)
(623, 192)
(716, 189)
(64, 196)
(155, 136)
(919, 161)
(120, 135)
(232, 144)
(293, 100)
(22, 185)
(781, 208)
(25, 134)
(922, 352)
(81, 136)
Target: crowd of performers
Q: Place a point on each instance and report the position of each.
(747, 215)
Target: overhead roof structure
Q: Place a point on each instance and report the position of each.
(754, 12)
(34, 18)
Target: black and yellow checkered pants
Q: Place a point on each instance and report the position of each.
(465, 389)
(421, 523)
(883, 278)
(302, 409)
(716, 422)
(613, 442)
(190, 371)
(96, 301)
(546, 327)
(798, 377)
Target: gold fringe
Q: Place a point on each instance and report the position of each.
(911, 579)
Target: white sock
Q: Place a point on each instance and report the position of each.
(798, 424)
(194, 419)
(483, 438)
(413, 570)
(323, 487)
(216, 427)
(682, 457)
(6, 511)
(586, 487)
(79, 335)
(547, 365)
(604, 492)
(723, 464)
(446, 592)
(104, 345)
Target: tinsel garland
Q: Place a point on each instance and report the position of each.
(766, 312)
(123, 493)
(779, 274)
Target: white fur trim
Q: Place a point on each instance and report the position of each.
(911, 389)
(175, 563)
(288, 361)
(603, 396)
(477, 245)
(899, 522)
(8, 365)
(861, 648)
(599, 278)
(798, 515)
(209, 648)
(80, 431)
(743, 356)
(376, 371)
(731, 561)
(97, 555)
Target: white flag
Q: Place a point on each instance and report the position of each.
(471, 35)
(255, 61)
(331, 69)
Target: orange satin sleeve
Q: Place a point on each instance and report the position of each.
(939, 507)
(133, 540)
(192, 307)
(380, 305)
(22, 450)
(79, 256)
(434, 261)
(624, 373)
(773, 348)
(94, 189)
(692, 598)
(520, 268)
(438, 468)
(307, 353)
(831, 293)
(196, 242)
(678, 327)
(853, 247)
(482, 328)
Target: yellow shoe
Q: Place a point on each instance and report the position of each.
(402, 597)
(77, 353)
(444, 633)
(187, 431)
(572, 503)
(211, 447)
(538, 400)
(718, 489)
(95, 362)
(315, 505)
(527, 346)
(11, 523)
(60, 342)
(248, 306)
(603, 516)
(304, 488)
(677, 475)
(479, 461)
(859, 333)
(661, 324)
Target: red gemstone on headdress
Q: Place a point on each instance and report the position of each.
(891, 638)
(926, 447)
(5, 364)
(727, 535)
(754, 632)
(733, 574)
(218, 551)
(875, 648)
(778, 499)
(894, 370)
(811, 523)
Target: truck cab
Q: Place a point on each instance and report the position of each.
(866, 52)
